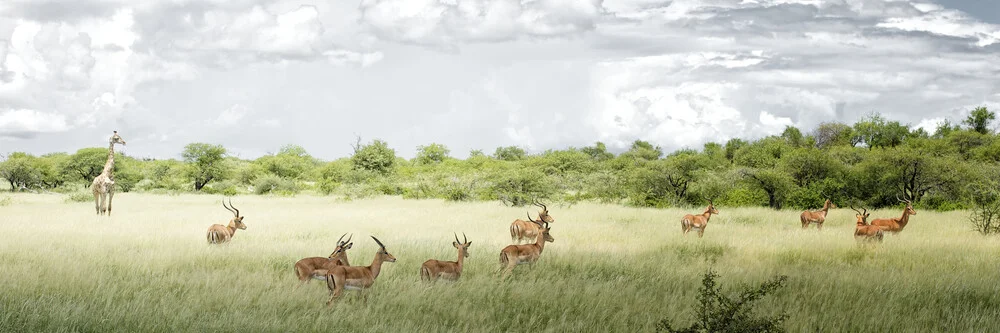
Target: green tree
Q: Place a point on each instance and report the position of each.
(86, 164)
(375, 157)
(432, 153)
(599, 152)
(793, 136)
(833, 134)
(945, 128)
(291, 162)
(509, 153)
(20, 170)
(205, 163)
(979, 120)
(732, 146)
(644, 150)
(776, 184)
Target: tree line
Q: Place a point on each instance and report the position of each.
(871, 162)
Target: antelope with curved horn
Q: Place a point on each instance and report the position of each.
(863, 231)
(513, 255)
(433, 269)
(700, 221)
(317, 267)
(525, 230)
(817, 217)
(896, 224)
(218, 233)
(339, 278)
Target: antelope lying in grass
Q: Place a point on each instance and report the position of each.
(433, 269)
(317, 267)
(514, 255)
(864, 232)
(218, 234)
(896, 224)
(698, 222)
(524, 230)
(817, 217)
(339, 278)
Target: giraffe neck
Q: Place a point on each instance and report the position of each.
(109, 166)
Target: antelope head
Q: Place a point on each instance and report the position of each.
(464, 246)
(342, 245)
(544, 213)
(711, 208)
(117, 139)
(382, 253)
(862, 216)
(237, 219)
(828, 203)
(909, 205)
(543, 228)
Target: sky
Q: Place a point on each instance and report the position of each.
(255, 75)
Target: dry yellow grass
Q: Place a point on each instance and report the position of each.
(611, 268)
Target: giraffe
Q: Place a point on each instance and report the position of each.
(104, 185)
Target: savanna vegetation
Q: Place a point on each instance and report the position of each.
(619, 261)
(873, 160)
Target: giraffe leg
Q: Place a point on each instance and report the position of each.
(97, 202)
(111, 194)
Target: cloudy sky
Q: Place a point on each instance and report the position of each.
(255, 75)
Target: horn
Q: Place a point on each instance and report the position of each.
(456, 238)
(349, 238)
(234, 207)
(463, 237)
(379, 242)
(341, 238)
(529, 218)
(227, 208)
(855, 209)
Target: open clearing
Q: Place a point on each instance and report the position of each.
(611, 268)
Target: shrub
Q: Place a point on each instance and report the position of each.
(721, 313)
(274, 184)
(80, 197)
(985, 215)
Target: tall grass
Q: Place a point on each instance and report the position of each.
(148, 268)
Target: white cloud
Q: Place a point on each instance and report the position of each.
(231, 116)
(447, 23)
(27, 123)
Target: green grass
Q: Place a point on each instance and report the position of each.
(148, 268)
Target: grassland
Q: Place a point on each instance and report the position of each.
(611, 268)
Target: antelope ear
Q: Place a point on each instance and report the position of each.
(468, 244)
(455, 244)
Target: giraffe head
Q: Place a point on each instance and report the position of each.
(117, 139)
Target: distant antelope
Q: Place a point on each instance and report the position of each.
(218, 233)
(339, 278)
(896, 224)
(817, 217)
(433, 269)
(524, 230)
(864, 232)
(317, 267)
(698, 222)
(513, 255)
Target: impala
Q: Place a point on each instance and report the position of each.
(433, 269)
(817, 217)
(863, 231)
(521, 230)
(317, 267)
(218, 233)
(514, 255)
(698, 222)
(896, 224)
(339, 278)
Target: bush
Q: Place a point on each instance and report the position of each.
(985, 215)
(721, 313)
(274, 184)
(80, 197)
